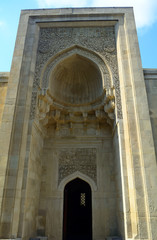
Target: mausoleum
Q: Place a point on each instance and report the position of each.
(78, 129)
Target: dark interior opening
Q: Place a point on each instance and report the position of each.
(77, 219)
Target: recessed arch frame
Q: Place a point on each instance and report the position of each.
(106, 73)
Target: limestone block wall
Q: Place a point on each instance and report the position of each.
(31, 201)
(4, 76)
(150, 76)
(95, 149)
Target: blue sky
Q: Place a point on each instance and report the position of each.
(145, 15)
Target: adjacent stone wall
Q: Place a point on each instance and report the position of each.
(150, 76)
(4, 76)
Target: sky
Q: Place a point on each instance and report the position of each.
(145, 16)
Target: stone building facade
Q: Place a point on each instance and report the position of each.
(78, 129)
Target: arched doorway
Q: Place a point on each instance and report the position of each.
(77, 219)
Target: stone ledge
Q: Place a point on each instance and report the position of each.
(150, 73)
(10, 238)
(4, 77)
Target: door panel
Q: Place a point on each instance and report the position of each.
(77, 222)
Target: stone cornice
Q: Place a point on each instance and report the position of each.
(4, 77)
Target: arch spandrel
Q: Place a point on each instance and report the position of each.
(75, 175)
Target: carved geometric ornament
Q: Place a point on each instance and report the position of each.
(77, 159)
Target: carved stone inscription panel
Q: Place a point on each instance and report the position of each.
(77, 159)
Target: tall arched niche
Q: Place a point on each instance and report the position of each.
(76, 80)
(76, 87)
(74, 73)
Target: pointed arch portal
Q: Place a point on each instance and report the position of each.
(77, 218)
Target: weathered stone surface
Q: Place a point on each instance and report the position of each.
(76, 106)
(150, 76)
(3, 90)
